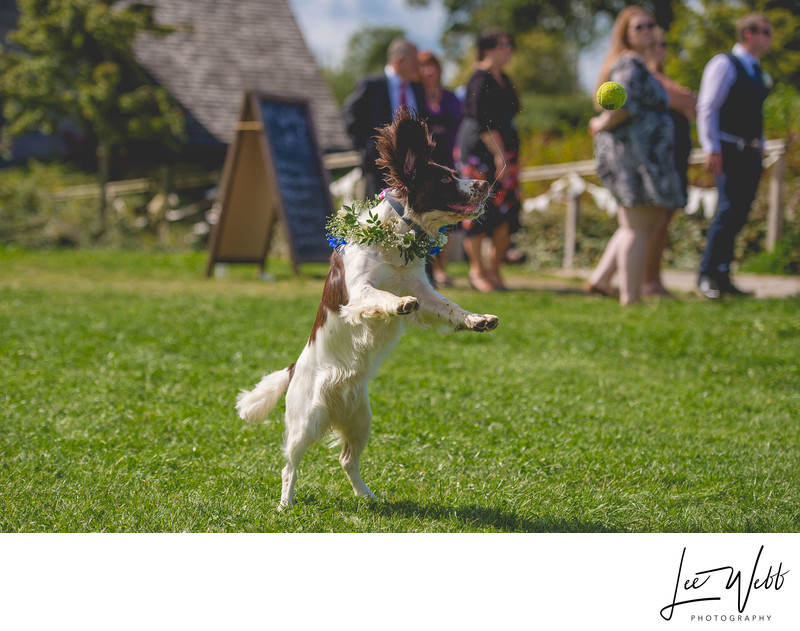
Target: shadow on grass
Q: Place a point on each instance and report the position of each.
(474, 517)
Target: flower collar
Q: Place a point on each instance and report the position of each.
(345, 227)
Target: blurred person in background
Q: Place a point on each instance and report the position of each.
(634, 153)
(730, 127)
(444, 118)
(488, 146)
(374, 101)
(682, 104)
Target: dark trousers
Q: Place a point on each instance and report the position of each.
(374, 184)
(737, 186)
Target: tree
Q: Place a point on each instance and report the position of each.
(549, 34)
(366, 49)
(542, 63)
(73, 61)
(366, 54)
(573, 20)
(705, 28)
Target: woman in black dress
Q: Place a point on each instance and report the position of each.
(489, 145)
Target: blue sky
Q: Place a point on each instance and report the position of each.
(328, 24)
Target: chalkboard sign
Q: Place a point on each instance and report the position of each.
(301, 179)
(273, 174)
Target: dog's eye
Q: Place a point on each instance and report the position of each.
(446, 179)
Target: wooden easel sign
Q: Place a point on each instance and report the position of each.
(273, 173)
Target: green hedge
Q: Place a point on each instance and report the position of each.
(34, 216)
(31, 217)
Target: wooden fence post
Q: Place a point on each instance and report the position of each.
(571, 229)
(775, 216)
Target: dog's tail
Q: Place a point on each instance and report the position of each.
(255, 405)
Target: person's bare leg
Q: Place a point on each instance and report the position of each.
(600, 280)
(477, 270)
(501, 240)
(652, 284)
(638, 224)
(437, 268)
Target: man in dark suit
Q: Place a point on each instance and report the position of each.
(730, 130)
(375, 99)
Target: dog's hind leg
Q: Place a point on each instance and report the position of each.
(301, 433)
(289, 473)
(354, 436)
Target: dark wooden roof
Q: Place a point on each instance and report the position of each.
(224, 47)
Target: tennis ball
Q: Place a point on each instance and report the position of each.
(611, 95)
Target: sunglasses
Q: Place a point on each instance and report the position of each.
(763, 31)
(647, 25)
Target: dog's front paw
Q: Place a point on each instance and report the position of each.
(481, 323)
(406, 305)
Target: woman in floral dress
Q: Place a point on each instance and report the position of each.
(634, 152)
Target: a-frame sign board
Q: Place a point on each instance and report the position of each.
(273, 173)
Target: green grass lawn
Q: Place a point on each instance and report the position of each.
(119, 373)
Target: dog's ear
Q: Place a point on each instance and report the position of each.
(414, 144)
(404, 146)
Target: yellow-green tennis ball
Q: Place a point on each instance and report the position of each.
(611, 95)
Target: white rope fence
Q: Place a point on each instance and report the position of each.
(573, 185)
(568, 185)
